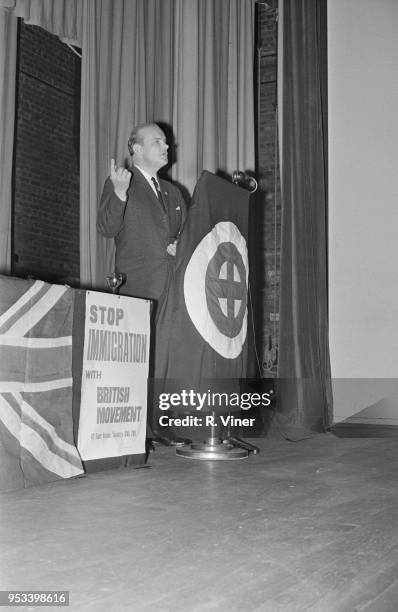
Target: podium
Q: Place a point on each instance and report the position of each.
(73, 381)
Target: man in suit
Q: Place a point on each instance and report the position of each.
(145, 216)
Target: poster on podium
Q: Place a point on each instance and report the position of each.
(113, 403)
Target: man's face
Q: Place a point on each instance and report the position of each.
(151, 153)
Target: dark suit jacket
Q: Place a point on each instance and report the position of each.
(142, 230)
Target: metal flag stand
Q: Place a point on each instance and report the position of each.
(217, 448)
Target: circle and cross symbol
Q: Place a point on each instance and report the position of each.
(226, 291)
(215, 289)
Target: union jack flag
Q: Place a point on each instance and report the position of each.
(36, 439)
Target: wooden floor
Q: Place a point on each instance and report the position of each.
(310, 525)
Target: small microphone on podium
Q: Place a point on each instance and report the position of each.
(244, 180)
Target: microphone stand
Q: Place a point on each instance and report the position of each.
(215, 447)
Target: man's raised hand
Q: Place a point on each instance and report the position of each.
(120, 178)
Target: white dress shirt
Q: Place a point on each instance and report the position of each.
(149, 178)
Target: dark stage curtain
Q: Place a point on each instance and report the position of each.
(305, 398)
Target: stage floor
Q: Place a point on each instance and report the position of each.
(310, 525)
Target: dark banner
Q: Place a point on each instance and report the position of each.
(202, 332)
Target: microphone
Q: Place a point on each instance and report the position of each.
(244, 180)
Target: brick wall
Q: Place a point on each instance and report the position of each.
(46, 201)
(268, 206)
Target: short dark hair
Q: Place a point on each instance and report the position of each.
(135, 136)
